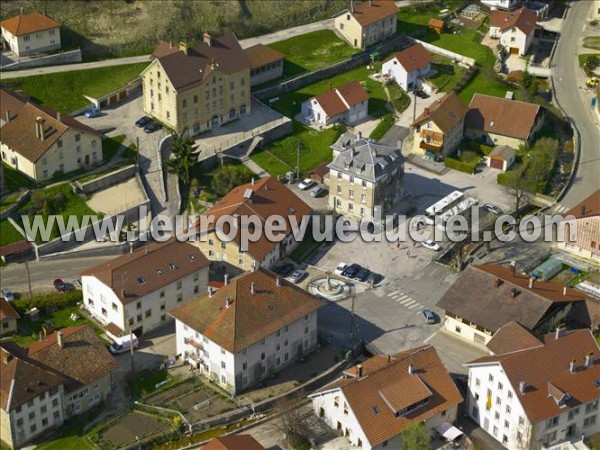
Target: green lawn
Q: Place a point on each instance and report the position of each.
(110, 146)
(311, 51)
(483, 82)
(8, 233)
(583, 60)
(9, 200)
(386, 122)
(15, 179)
(400, 99)
(447, 73)
(145, 384)
(69, 442)
(64, 91)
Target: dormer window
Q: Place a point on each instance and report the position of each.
(159, 272)
(141, 280)
(172, 266)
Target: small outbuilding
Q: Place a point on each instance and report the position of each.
(436, 25)
(501, 158)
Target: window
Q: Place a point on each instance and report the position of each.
(20, 422)
(114, 307)
(573, 413)
(78, 137)
(498, 401)
(262, 356)
(162, 307)
(104, 312)
(31, 415)
(552, 422)
(55, 403)
(245, 366)
(499, 386)
(278, 361)
(495, 431)
(351, 179)
(285, 343)
(521, 421)
(244, 352)
(491, 378)
(286, 328)
(184, 103)
(223, 245)
(33, 427)
(506, 424)
(285, 357)
(148, 313)
(364, 184)
(179, 284)
(223, 379)
(180, 297)
(139, 318)
(477, 382)
(497, 415)
(59, 143)
(306, 343)
(222, 364)
(139, 304)
(510, 395)
(195, 277)
(588, 421)
(43, 409)
(591, 407)
(507, 409)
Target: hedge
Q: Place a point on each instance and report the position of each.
(462, 166)
(51, 300)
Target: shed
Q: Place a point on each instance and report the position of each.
(501, 158)
(547, 269)
(319, 173)
(436, 25)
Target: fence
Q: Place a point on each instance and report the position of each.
(447, 53)
(72, 56)
(105, 181)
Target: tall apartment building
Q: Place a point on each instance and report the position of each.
(543, 396)
(364, 175)
(247, 330)
(27, 34)
(367, 23)
(136, 291)
(198, 88)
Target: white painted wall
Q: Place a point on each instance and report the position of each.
(501, 4)
(37, 42)
(396, 71)
(514, 37)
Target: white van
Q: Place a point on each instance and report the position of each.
(123, 344)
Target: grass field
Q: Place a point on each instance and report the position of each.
(8, 233)
(64, 91)
(14, 179)
(583, 59)
(311, 51)
(110, 146)
(145, 384)
(9, 200)
(592, 42)
(448, 73)
(386, 122)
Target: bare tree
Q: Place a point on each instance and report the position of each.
(519, 184)
(293, 422)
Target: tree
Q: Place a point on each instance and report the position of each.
(182, 156)
(518, 184)
(541, 161)
(228, 177)
(293, 422)
(415, 437)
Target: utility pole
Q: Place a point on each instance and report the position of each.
(28, 279)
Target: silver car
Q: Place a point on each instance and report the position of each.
(297, 276)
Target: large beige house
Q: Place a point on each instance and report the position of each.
(500, 121)
(364, 175)
(27, 34)
(40, 142)
(198, 88)
(587, 243)
(439, 128)
(64, 375)
(367, 23)
(261, 199)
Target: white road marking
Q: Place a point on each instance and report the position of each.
(391, 294)
(410, 302)
(404, 296)
(406, 301)
(416, 305)
(431, 336)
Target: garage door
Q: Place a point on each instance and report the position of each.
(514, 50)
(496, 163)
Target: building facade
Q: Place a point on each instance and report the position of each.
(135, 292)
(8, 318)
(200, 88)
(28, 34)
(514, 29)
(439, 129)
(367, 23)
(247, 330)
(502, 4)
(348, 104)
(40, 143)
(586, 243)
(266, 64)
(364, 176)
(408, 67)
(540, 397)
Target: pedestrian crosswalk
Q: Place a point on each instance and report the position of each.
(559, 209)
(406, 301)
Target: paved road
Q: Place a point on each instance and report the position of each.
(568, 81)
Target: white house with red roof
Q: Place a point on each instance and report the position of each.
(515, 29)
(27, 34)
(348, 104)
(408, 67)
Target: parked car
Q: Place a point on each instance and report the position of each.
(428, 316)
(7, 295)
(492, 208)
(151, 127)
(362, 275)
(431, 245)
(305, 184)
(297, 275)
(124, 344)
(421, 94)
(143, 121)
(340, 268)
(375, 279)
(60, 286)
(91, 113)
(317, 191)
(284, 270)
(351, 270)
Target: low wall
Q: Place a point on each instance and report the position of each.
(12, 208)
(114, 250)
(447, 53)
(73, 56)
(106, 181)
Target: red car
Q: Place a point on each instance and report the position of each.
(60, 286)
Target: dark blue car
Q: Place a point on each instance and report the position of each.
(143, 121)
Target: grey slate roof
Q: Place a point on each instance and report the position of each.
(363, 158)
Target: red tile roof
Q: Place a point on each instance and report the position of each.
(512, 337)
(16, 248)
(524, 19)
(386, 386)
(28, 23)
(249, 317)
(7, 311)
(338, 101)
(415, 57)
(373, 11)
(148, 269)
(446, 112)
(589, 207)
(549, 363)
(497, 115)
(260, 55)
(234, 442)
(269, 197)
(11, 102)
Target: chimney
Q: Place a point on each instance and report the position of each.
(207, 38)
(40, 336)
(58, 116)
(359, 371)
(252, 290)
(228, 302)
(389, 359)
(572, 366)
(122, 293)
(531, 281)
(583, 210)
(522, 387)
(209, 292)
(59, 339)
(39, 128)
(7, 116)
(497, 282)
(183, 47)
(252, 181)
(21, 11)
(559, 331)
(513, 267)
(426, 111)
(226, 280)
(278, 282)
(564, 290)
(589, 359)
(410, 369)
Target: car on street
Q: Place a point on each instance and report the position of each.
(492, 208)
(305, 184)
(317, 191)
(60, 286)
(91, 113)
(7, 295)
(151, 127)
(362, 275)
(421, 94)
(340, 268)
(431, 245)
(143, 121)
(428, 316)
(284, 270)
(375, 279)
(297, 276)
(351, 270)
